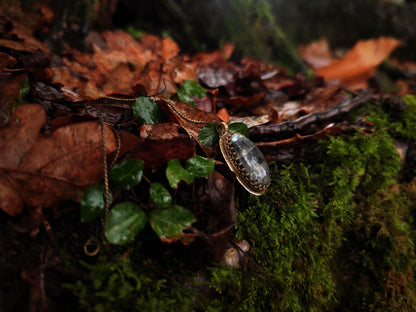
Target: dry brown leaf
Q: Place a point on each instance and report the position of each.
(38, 169)
(20, 37)
(358, 64)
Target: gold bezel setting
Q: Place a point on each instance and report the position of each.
(235, 165)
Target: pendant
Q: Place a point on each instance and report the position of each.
(244, 159)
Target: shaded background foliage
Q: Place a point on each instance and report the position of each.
(270, 29)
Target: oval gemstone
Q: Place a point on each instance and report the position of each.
(246, 161)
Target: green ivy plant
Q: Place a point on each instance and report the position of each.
(190, 89)
(209, 135)
(127, 219)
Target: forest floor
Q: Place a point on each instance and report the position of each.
(115, 194)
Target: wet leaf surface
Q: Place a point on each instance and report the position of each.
(169, 223)
(176, 173)
(149, 112)
(200, 166)
(124, 223)
(160, 195)
(93, 203)
(238, 127)
(190, 89)
(126, 174)
(209, 135)
(195, 167)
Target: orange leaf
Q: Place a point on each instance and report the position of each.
(358, 64)
(169, 49)
(223, 114)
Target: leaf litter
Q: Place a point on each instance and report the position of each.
(78, 87)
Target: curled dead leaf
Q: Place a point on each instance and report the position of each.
(359, 64)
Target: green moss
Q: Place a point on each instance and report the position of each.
(284, 231)
(327, 230)
(126, 284)
(405, 127)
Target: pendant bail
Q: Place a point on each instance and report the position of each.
(222, 128)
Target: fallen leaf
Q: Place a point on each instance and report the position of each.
(19, 37)
(223, 115)
(134, 52)
(39, 169)
(6, 60)
(358, 64)
(316, 54)
(169, 49)
(215, 57)
(159, 144)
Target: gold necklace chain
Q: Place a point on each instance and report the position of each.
(171, 104)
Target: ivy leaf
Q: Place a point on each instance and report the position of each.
(175, 173)
(126, 174)
(238, 127)
(170, 223)
(93, 203)
(199, 166)
(160, 195)
(148, 111)
(188, 89)
(209, 135)
(195, 167)
(124, 223)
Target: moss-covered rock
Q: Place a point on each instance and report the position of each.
(336, 232)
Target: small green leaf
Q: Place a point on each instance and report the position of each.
(238, 127)
(24, 88)
(160, 195)
(169, 223)
(200, 166)
(209, 135)
(124, 223)
(23, 92)
(148, 111)
(135, 33)
(175, 173)
(195, 167)
(93, 203)
(127, 174)
(188, 89)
